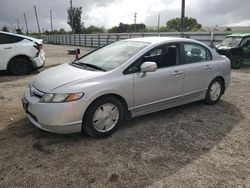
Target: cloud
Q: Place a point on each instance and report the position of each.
(109, 13)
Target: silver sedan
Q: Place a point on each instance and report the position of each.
(125, 79)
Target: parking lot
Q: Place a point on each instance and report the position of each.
(194, 145)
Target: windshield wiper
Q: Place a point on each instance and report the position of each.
(89, 65)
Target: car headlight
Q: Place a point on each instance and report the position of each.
(61, 97)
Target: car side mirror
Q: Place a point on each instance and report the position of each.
(148, 66)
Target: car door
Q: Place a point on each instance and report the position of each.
(6, 48)
(246, 48)
(162, 88)
(198, 71)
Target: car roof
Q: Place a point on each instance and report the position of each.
(23, 36)
(239, 35)
(158, 40)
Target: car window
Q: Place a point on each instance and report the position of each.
(231, 41)
(246, 42)
(196, 53)
(163, 56)
(8, 39)
(114, 55)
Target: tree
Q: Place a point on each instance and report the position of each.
(94, 29)
(5, 29)
(19, 31)
(74, 19)
(228, 29)
(125, 28)
(190, 24)
(164, 29)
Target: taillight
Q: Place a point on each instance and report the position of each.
(38, 46)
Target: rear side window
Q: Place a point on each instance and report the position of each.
(196, 53)
(8, 39)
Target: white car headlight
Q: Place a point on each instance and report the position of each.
(61, 97)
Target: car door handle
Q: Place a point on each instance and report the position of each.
(7, 48)
(177, 72)
(208, 67)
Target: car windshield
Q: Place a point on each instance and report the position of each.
(113, 55)
(231, 41)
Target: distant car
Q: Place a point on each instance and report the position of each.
(236, 47)
(20, 54)
(125, 79)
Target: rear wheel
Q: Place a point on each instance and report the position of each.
(214, 92)
(20, 66)
(103, 117)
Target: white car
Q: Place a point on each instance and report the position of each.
(20, 54)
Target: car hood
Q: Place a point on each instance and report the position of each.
(61, 75)
(222, 47)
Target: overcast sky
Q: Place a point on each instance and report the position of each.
(109, 13)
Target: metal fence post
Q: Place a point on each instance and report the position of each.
(91, 41)
(107, 38)
(99, 40)
(117, 37)
(79, 40)
(85, 40)
(212, 39)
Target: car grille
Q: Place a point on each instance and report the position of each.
(222, 52)
(36, 92)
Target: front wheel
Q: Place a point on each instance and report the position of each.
(236, 62)
(103, 117)
(214, 91)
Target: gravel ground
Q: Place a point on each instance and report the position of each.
(194, 145)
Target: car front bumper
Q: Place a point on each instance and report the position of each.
(62, 118)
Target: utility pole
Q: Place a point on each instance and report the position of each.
(135, 16)
(37, 21)
(51, 23)
(158, 27)
(72, 19)
(182, 16)
(18, 26)
(27, 30)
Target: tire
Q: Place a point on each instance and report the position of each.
(214, 91)
(20, 66)
(236, 62)
(103, 117)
